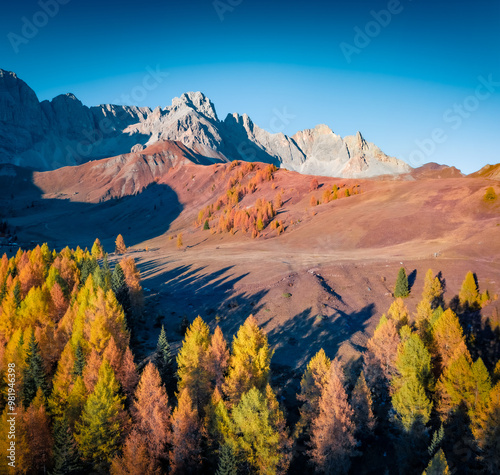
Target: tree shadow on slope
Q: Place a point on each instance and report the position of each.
(186, 291)
(61, 222)
(301, 337)
(412, 277)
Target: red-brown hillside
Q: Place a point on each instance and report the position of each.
(324, 281)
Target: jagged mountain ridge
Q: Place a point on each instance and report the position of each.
(50, 134)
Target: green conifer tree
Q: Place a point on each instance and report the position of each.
(34, 375)
(362, 404)
(79, 360)
(17, 294)
(401, 288)
(120, 288)
(227, 461)
(164, 360)
(106, 271)
(437, 465)
(66, 460)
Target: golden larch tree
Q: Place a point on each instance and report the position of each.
(249, 364)
(185, 455)
(120, 247)
(218, 357)
(332, 433)
(311, 387)
(192, 372)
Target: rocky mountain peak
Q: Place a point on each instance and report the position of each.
(196, 101)
(322, 129)
(360, 141)
(236, 120)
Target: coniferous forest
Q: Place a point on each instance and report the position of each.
(424, 398)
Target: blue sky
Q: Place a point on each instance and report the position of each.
(420, 79)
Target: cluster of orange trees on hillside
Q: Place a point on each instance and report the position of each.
(333, 192)
(226, 213)
(427, 389)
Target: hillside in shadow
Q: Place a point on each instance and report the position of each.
(34, 219)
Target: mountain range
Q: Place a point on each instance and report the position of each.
(51, 134)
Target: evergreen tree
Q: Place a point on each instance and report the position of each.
(120, 288)
(79, 360)
(98, 277)
(66, 460)
(120, 247)
(362, 404)
(164, 359)
(401, 288)
(206, 226)
(437, 438)
(437, 465)
(106, 272)
(87, 268)
(227, 461)
(17, 294)
(34, 376)
(99, 431)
